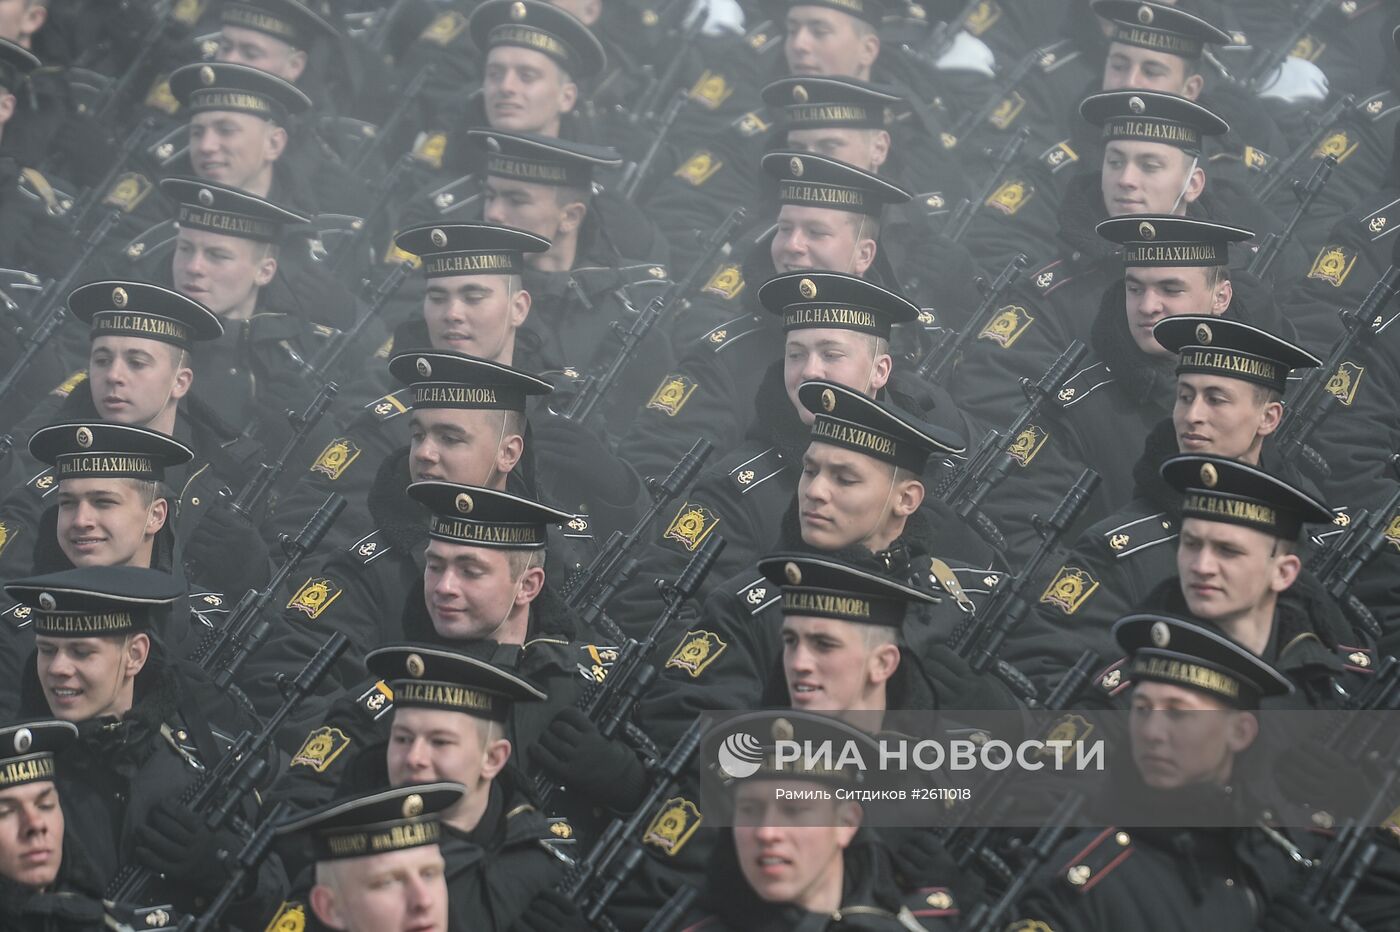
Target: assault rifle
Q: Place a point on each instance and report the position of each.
(663, 87)
(221, 789)
(940, 361)
(254, 493)
(608, 864)
(245, 865)
(609, 704)
(979, 637)
(588, 591)
(636, 173)
(987, 918)
(389, 128)
(77, 217)
(163, 13)
(1009, 82)
(1306, 193)
(223, 652)
(1263, 68)
(1305, 411)
(324, 363)
(962, 215)
(1276, 171)
(1362, 541)
(596, 387)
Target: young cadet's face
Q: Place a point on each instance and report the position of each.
(843, 497)
(103, 522)
(827, 664)
(790, 850)
(473, 314)
(1182, 737)
(452, 445)
(1132, 68)
(1226, 570)
(525, 91)
(823, 41)
(221, 272)
(31, 834)
(1152, 294)
(469, 590)
(85, 678)
(398, 891)
(1147, 178)
(241, 46)
(132, 379)
(1215, 414)
(431, 745)
(840, 356)
(818, 238)
(534, 208)
(864, 148)
(232, 148)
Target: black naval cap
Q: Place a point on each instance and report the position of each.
(808, 180)
(871, 11)
(424, 677)
(27, 750)
(1167, 241)
(226, 86)
(16, 64)
(376, 823)
(469, 383)
(746, 748)
(294, 23)
(540, 159)
(218, 208)
(1159, 27)
(469, 248)
(848, 419)
(103, 450)
(96, 601)
(138, 309)
(1216, 346)
(818, 102)
(481, 517)
(1147, 116)
(836, 301)
(1216, 488)
(822, 586)
(1165, 649)
(543, 27)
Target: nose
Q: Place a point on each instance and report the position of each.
(1129, 178)
(767, 833)
(205, 143)
(84, 516)
(425, 451)
(445, 585)
(799, 658)
(1196, 411)
(494, 212)
(800, 40)
(31, 824)
(59, 665)
(417, 757)
(816, 491)
(420, 894)
(812, 367)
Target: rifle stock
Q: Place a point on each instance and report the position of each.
(943, 358)
(255, 491)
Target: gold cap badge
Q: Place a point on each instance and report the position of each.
(799, 93)
(1145, 15)
(517, 11)
(796, 167)
(119, 297)
(1161, 634)
(47, 602)
(807, 288)
(1147, 230)
(1204, 334)
(414, 665)
(464, 503)
(84, 437)
(206, 197)
(1208, 475)
(206, 74)
(828, 400)
(782, 728)
(439, 238)
(793, 573)
(23, 739)
(424, 367)
(412, 805)
(1136, 104)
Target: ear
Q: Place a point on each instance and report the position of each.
(511, 449)
(1191, 90)
(7, 107)
(869, 49)
(325, 907)
(138, 649)
(531, 585)
(276, 143)
(591, 11)
(848, 819)
(568, 95)
(155, 520)
(880, 372)
(1244, 728)
(494, 760)
(34, 18)
(296, 64)
(267, 268)
(1270, 418)
(572, 217)
(1286, 569)
(879, 149)
(884, 661)
(519, 307)
(908, 497)
(1195, 186)
(1220, 301)
(863, 257)
(184, 378)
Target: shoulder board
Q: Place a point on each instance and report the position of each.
(149, 241)
(180, 741)
(759, 594)
(42, 483)
(1109, 849)
(1379, 106)
(579, 527)
(455, 194)
(446, 27)
(1357, 659)
(1084, 383)
(730, 332)
(374, 703)
(35, 185)
(644, 274)
(1112, 679)
(170, 146)
(1056, 56)
(65, 388)
(369, 548)
(596, 661)
(751, 124)
(7, 535)
(390, 405)
(975, 580)
(763, 37)
(934, 901)
(208, 602)
(1050, 277)
(1353, 10)
(934, 203)
(321, 331)
(1380, 223)
(1341, 520)
(558, 830)
(1058, 156)
(18, 615)
(1139, 534)
(753, 472)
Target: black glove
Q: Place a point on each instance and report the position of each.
(605, 770)
(551, 911)
(226, 553)
(919, 857)
(175, 842)
(579, 463)
(1289, 912)
(958, 687)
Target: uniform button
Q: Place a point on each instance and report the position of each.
(194, 500)
(233, 371)
(1229, 882)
